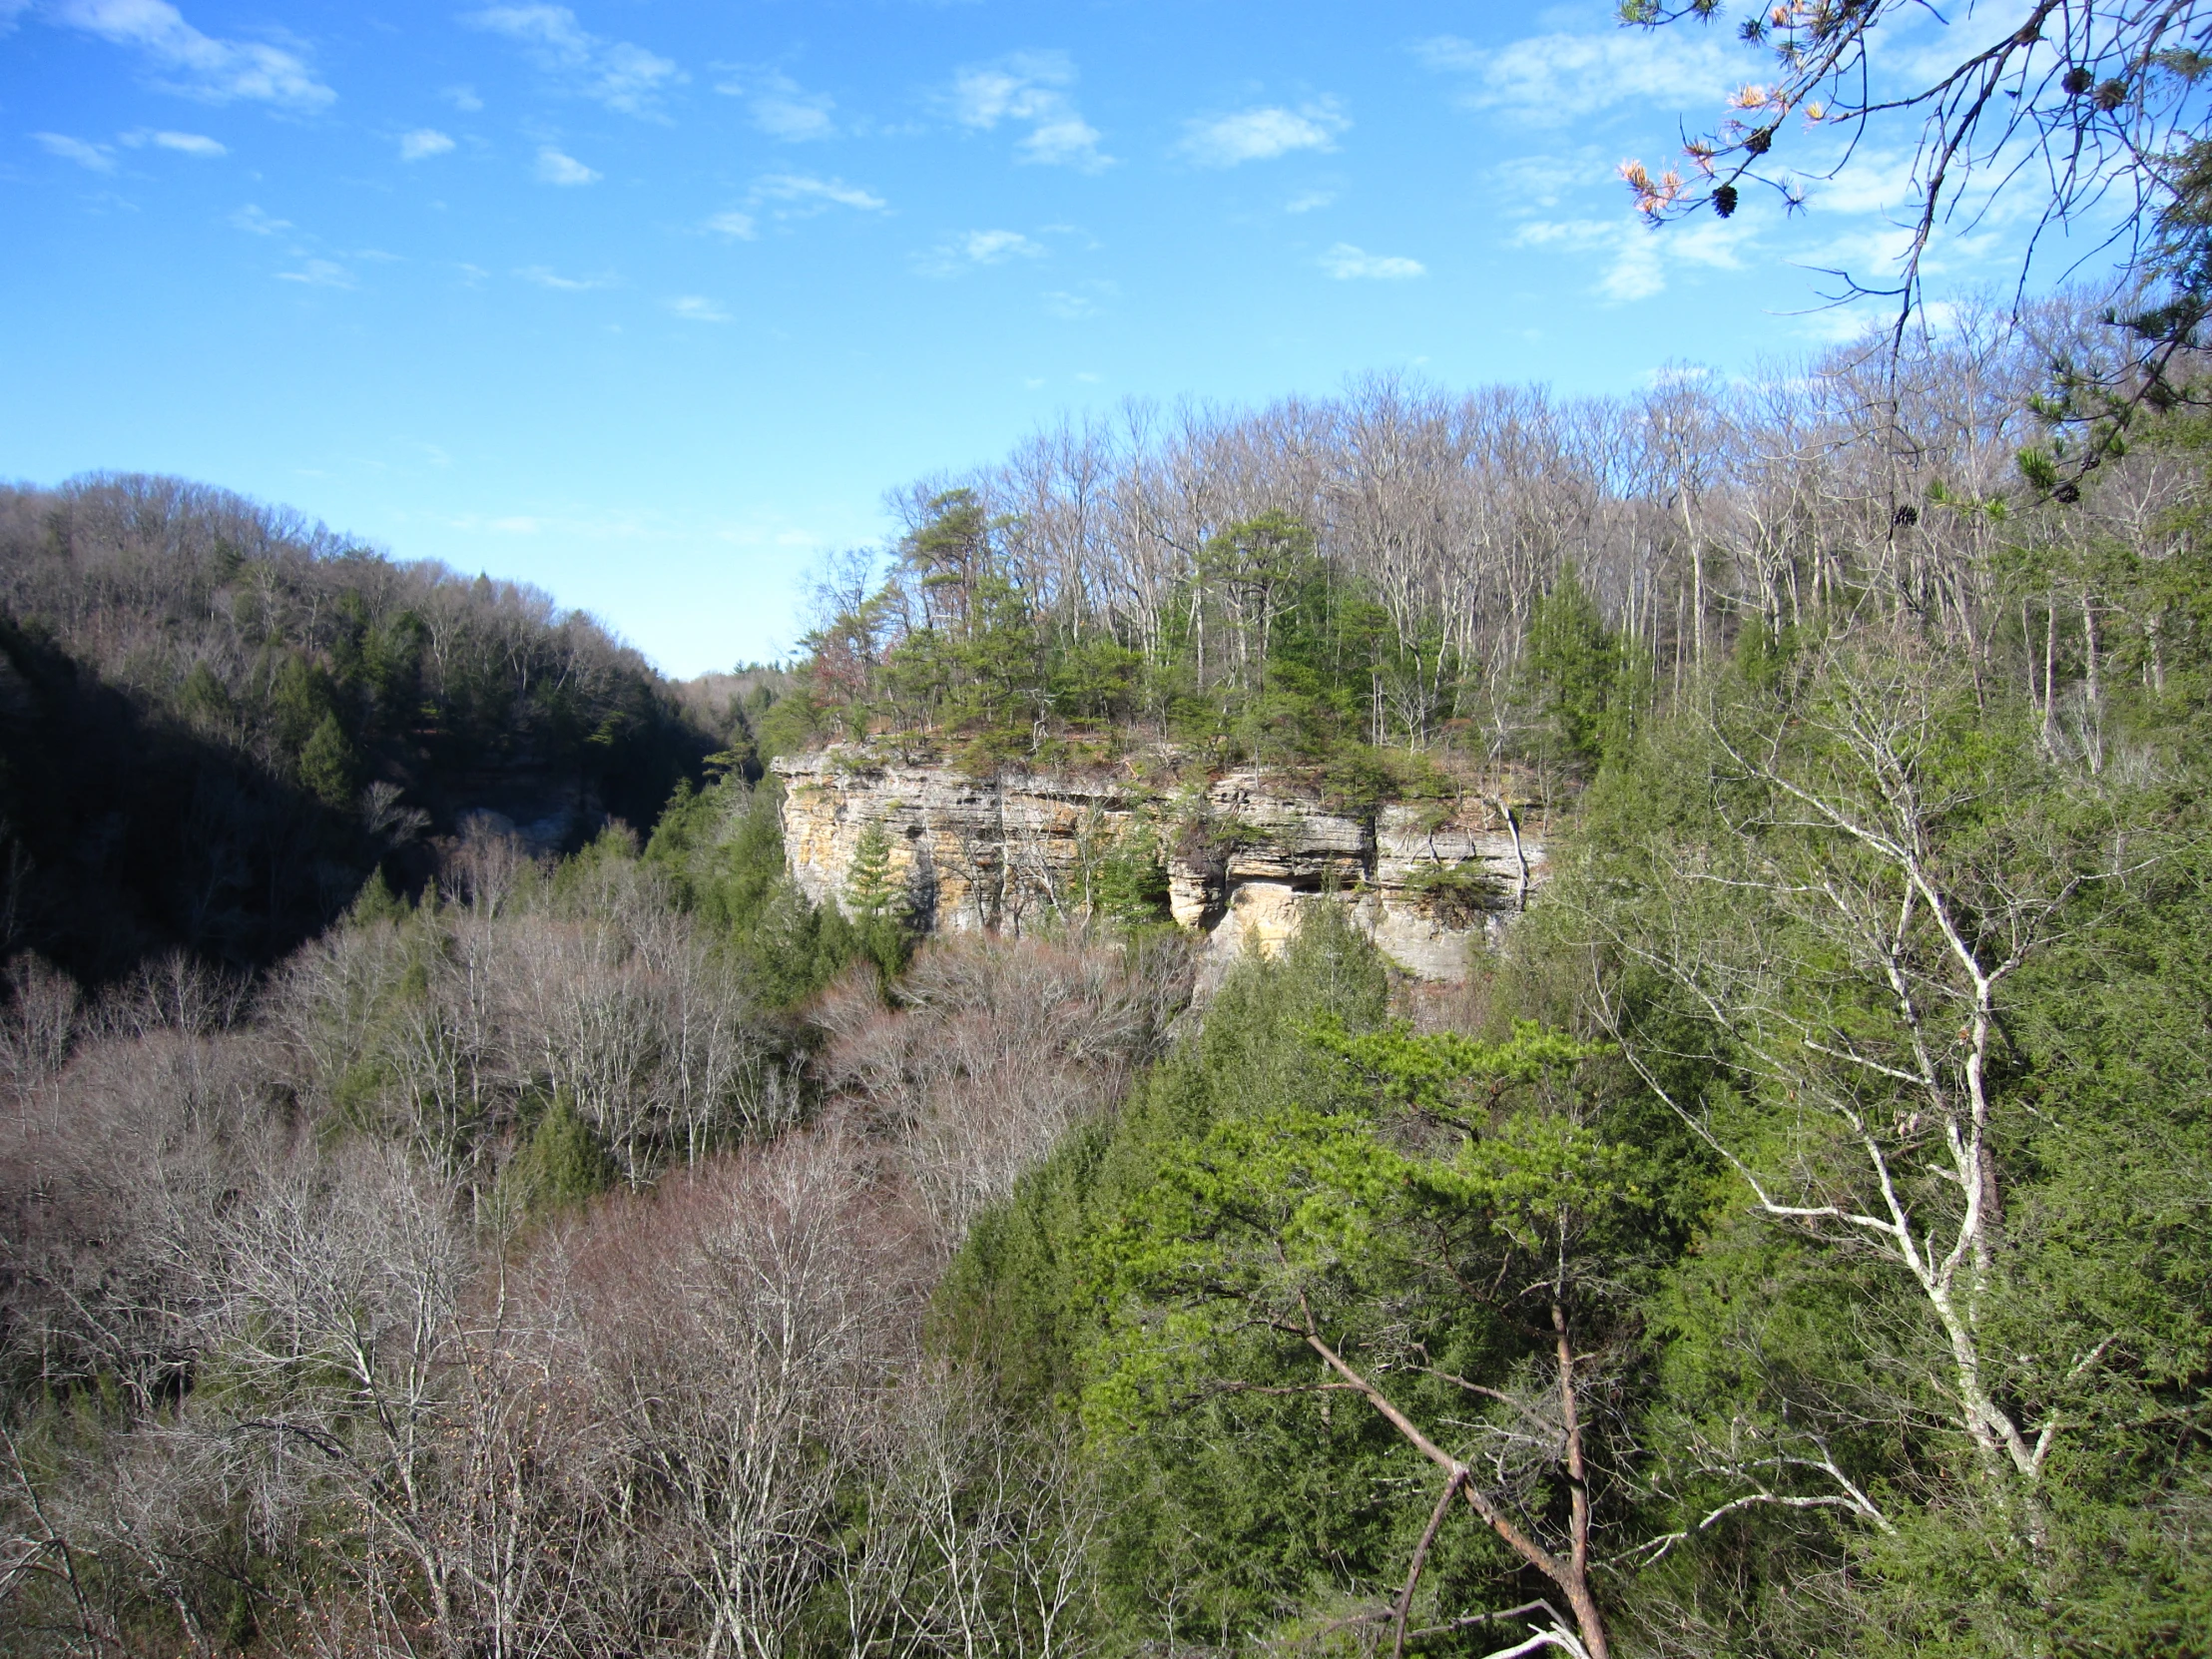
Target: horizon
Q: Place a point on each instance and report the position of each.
(652, 309)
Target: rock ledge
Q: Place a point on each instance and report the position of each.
(1244, 855)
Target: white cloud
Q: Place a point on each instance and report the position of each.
(1069, 140)
(318, 274)
(736, 225)
(202, 66)
(555, 168)
(997, 246)
(1086, 300)
(1554, 79)
(1543, 181)
(423, 143)
(805, 188)
(616, 73)
(781, 107)
(1637, 273)
(694, 308)
(1346, 264)
(1874, 182)
(978, 248)
(93, 156)
(1310, 200)
(252, 220)
(1568, 232)
(1263, 134)
(185, 144)
(1027, 89)
(545, 279)
(1642, 255)
(463, 97)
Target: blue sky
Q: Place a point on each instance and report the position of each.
(650, 302)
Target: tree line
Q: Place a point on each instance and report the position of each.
(1502, 574)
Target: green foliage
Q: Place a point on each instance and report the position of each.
(721, 849)
(563, 1163)
(1300, 1159)
(876, 904)
(1269, 652)
(1455, 894)
(1783, 1464)
(871, 892)
(376, 903)
(301, 701)
(1573, 678)
(1751, 884)
(202, 698)
(329, 762)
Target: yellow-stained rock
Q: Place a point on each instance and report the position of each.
(1006, 853)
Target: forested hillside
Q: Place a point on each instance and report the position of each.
(218, 718)
(1796, 1238)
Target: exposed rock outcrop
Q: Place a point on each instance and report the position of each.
(1242, 854)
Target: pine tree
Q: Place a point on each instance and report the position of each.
(871, 892)
(1569, 675)
(327, 762)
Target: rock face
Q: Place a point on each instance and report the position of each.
(1242, 855)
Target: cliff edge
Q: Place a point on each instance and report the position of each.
(1241, 853)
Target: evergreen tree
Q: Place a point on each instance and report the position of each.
(328, 763)
(1571, 676)
(563, 1163)
(871, 892)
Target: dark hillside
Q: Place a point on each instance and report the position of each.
(218, 720)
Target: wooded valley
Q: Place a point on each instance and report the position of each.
(429, 1234)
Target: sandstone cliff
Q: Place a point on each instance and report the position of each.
(1243, 853)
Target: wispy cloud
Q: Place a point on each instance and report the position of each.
(805, 188)
(1029, 89)
(463, 97)
(1640, 260)
(1555, 78)
(185, 144)
(696, 307)
(1568, 232)
(423, 143)
(195, 64)
(558, 168)
(1085, 299)
(1263, 134)
(615, 73)
(1309, 200)
(253, 221)
(546, 279)
(318, 274)
(1349, 264)
(791, 196)
(96, 157)
(978, 248)
(780, 106)
(997, 246)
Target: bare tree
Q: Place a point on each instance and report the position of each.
(1868, 1118)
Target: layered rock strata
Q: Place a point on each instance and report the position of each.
(1244, 855)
